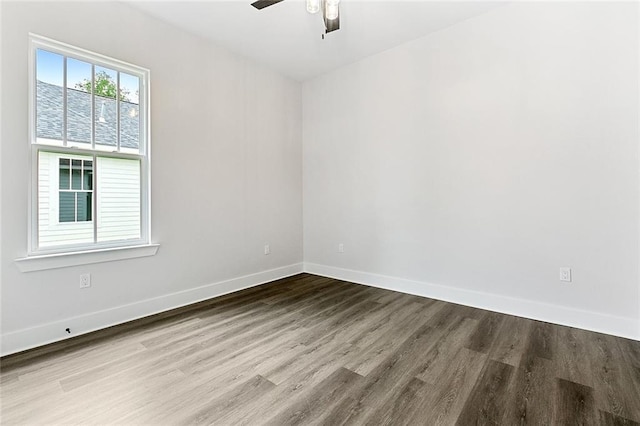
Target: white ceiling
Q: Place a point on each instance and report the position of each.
(288, 39)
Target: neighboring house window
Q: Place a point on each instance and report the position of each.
(90, 149)
(75, 190)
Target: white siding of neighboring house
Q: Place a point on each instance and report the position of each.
(118, 202)
(50, 231)
(117, 183)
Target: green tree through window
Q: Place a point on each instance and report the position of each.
(105, 87)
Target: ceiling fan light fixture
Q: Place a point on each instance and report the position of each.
(331, 9)
(313, 6)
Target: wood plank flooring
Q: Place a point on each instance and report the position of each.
(312, 350)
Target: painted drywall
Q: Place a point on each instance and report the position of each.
(473, 163)
(226, 174)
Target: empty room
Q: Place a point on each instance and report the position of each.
(320, 212)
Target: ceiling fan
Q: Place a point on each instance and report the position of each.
(330, 11)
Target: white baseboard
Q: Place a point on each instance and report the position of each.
(52, 332)
(587, 320)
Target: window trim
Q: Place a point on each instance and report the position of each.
(44, 262)
(144, 155)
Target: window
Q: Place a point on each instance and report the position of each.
(75, 190)
(90, 162)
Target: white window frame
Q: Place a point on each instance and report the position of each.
(34, 251)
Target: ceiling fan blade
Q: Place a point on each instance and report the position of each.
(332, 24)
(261, 4)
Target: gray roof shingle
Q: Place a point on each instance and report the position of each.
(50, 117)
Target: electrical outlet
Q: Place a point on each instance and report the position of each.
(565, 274)
(340, 248)
(85, 280)
(267, 249)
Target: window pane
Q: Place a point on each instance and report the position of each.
(64, 174)
(129, 113)
(57, 224)
(86, 101)
(49, 96)
(87, 182)
(76, 174)
(106, 81)
(78, 101)
(67, 207)
(84, 206)
(118, 199)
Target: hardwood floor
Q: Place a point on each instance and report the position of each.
(311, 350)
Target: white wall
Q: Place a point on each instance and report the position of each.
(472, 163)
(226, 174)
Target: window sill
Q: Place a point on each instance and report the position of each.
(62, 260)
